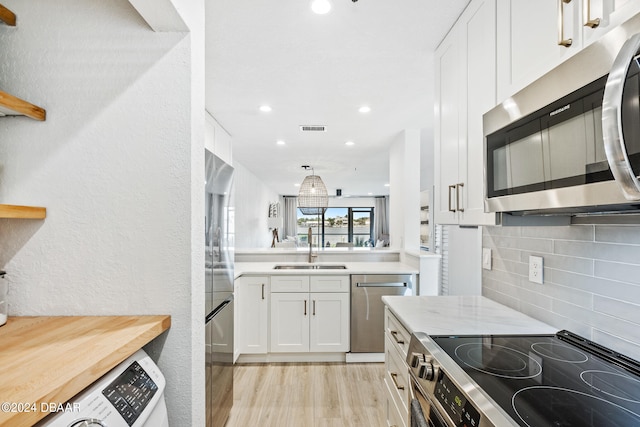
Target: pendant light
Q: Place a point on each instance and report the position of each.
(313, 198)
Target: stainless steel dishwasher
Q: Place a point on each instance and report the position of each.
(367, 309)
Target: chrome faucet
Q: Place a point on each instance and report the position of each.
(310, 240)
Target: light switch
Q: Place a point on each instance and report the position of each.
(486, 258)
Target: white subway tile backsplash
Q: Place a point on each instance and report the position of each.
(616, 308)
(564, 233)
(591, 279)
(596, 250)
(618, 271)
(563, 262)
(618, 234)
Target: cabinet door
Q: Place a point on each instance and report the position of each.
(446, 126)
(329, 330)
(608, 14)
(252, 307)
(478, 46)
(527, 35)
(289, 322)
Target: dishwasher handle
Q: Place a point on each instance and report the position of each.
(382, 285)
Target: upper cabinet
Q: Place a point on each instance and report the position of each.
(217, 139)
(465, 89)
(533, 37)
(9, 104)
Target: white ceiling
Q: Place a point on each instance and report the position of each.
(318, 70)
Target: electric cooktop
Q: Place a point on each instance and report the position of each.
(560, 381)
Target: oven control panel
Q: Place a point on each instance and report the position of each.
(461, 412)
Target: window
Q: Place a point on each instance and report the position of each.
(336, 225)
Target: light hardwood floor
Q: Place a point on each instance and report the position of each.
(308, 395)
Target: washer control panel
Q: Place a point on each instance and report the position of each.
(131, 392)
(130, 395)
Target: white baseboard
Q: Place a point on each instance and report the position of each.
(291, 357)
(365, 357)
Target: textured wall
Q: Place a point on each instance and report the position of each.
(112, 164)
(591, 279)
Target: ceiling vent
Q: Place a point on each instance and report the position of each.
(313, 128)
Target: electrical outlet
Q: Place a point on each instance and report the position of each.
(536, 268)
(486, 258)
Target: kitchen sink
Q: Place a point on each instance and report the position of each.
(310, 267)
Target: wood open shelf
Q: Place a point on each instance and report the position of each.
(13, 106)
(7, 16)
(23, 212)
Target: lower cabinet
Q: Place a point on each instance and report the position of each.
(309, 314)
(396, 377)
(252, 306)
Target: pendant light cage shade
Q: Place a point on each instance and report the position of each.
(313, 198)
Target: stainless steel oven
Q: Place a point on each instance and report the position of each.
(521, 380)
(422, 412)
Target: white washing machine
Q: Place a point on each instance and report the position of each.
(130, 395)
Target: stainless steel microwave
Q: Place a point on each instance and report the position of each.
(570, 141)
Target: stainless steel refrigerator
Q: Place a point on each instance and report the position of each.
(219, 244)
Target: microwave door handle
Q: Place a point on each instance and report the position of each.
(614, 144)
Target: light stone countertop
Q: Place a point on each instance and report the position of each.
(255, 268)
(462, 315)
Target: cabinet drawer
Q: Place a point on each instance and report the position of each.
(396, 375)
(289, 283)
(397, 332)
(329, 283)
(394, 416)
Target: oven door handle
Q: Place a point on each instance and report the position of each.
(614, 145)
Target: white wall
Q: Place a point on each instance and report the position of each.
(251, 201)
(119, 166)
(404, 192)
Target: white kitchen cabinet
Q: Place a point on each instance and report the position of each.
(396, 377)
(465, 89)
(528, 35)
(289, 322)
(313, 318)
(217, 139)
(252, 306)
(329, 328)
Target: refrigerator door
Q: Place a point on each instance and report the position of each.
(219, 371)
(219, 275)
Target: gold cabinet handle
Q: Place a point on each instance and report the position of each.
(305, 307)
(450, 188)
(458, 187)
(588, 22)
(394, 334)
(394, 378)
(263, 291)
(561, 40)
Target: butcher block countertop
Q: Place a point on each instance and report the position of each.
(48, 360)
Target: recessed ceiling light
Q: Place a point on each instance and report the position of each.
(320, 6)
(386, 185)
(364, 109)
(370, 194)
(349, 143)
(280, 142)
(265, 108)
(296, 185)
